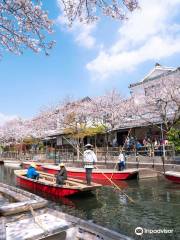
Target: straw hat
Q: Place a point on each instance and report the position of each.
(33, 165)
(88, 145)
(61, 164)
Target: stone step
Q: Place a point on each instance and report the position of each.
(147, 173)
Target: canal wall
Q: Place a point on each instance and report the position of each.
(111, 165)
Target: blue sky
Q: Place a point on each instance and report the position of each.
(89, 60)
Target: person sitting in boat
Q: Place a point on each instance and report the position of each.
(121, 161)
(89, 160)
(62, 174)
(32, 173)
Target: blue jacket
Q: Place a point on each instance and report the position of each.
(31, 173)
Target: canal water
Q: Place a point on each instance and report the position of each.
(156, 209)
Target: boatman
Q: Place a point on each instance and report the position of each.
(62, 174)
(32, 173)
(89, 160)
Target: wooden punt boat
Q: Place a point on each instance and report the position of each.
(39, 165)
(47, 183)
(12, 163)
(173, 176)
(20, 200)
(97, 174)
(48, 224)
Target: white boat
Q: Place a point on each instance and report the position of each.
(24, 220)
(12, 163)
(48, 224)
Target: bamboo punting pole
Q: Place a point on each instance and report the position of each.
(115, 185)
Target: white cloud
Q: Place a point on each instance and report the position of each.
(5, 118)
(150, 34)
(82, 33)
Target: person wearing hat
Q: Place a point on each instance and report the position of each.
(62, 174)
(32, 173)
(89, 161)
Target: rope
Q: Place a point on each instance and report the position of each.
(37, 220)
(115, 185)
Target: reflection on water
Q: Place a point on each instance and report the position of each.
(157, 206)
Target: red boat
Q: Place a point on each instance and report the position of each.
(47, 184)
(173, 176)
(38, 164)
(97, 174)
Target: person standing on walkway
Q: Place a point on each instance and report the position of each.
(121, 161)
(89, 160)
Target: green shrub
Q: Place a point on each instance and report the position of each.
(174, 138)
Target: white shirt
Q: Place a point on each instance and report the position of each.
(89, 158)
(121, 157)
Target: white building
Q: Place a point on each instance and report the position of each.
(152, 82)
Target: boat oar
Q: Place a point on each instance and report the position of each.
(115, 185)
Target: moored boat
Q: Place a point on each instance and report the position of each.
(26, 218)
(173, 176)
(12, 163)
(97, 174)
(47, 183)
(39, 165)
(20, 200)
(49, 224)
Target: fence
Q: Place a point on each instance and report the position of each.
(104, 154)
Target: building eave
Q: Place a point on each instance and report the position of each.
(145, 80)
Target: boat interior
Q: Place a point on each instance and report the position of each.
(49, 224)
(50, 179)
(14, 200)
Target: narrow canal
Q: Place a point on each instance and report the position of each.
(157, 206)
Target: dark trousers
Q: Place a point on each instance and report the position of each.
(36, 177)
(121, 166)
(60, 180)
(88, 175)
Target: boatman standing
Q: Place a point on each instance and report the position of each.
(89, 160)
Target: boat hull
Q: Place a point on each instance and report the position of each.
(174, 179)
(37, 187)
(96, 175)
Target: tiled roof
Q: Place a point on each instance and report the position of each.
(156, 72)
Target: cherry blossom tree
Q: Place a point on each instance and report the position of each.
(109, 109)
(24, 23)
(88, 10)
(161, 103)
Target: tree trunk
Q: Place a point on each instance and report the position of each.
(77, 146)
(95, 139)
